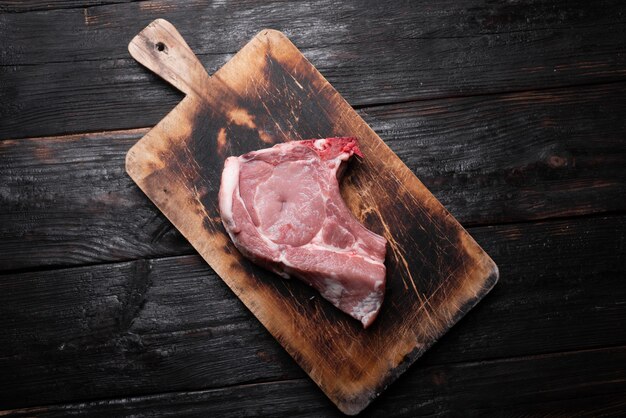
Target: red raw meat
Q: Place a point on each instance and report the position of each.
(282, 208)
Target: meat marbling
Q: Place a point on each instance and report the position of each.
(282, 208)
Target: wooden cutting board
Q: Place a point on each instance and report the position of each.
(268, 93)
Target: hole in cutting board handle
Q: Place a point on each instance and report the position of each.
(161, 47)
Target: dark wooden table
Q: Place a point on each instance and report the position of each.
(512, 113)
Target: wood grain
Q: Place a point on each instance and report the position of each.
(22, 6)
(269, 93)
(68, 201)
(67, 71)
(535, 386)
(152, 326)
(81, 80)
(226, 27)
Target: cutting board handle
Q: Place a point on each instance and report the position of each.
(160, 48)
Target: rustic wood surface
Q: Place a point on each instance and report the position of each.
(512, 114)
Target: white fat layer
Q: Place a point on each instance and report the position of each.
(368, 307)
(229, 191)
(332, 291)
(230, 183)
(319, 143)
(318, 243)
(326, 247)
(260, 152)
(282, 259)
(344, 156)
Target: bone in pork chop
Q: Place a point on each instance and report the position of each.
(282, 208)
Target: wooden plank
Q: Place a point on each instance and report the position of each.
(67, 200)
(103, 32)
(81, 79)
(514, 156)
(23, 6)
(269, 93)
(584, 383)
(147, 324)
(171, 325)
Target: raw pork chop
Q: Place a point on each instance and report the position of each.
(282, 208)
